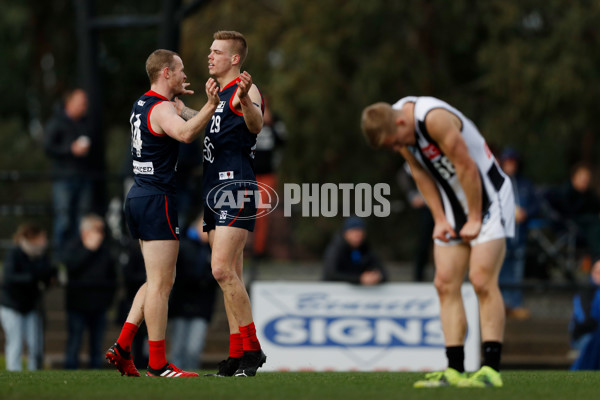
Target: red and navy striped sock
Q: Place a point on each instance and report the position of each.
(126, 337)
(249, 339)
(157, 358)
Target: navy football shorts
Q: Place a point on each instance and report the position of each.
(152, 217)
(225, 214)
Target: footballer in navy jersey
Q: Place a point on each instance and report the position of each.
(154, 155)
(229, 149)
(151, 209)
(229, 145)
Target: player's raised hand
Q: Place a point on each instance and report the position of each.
(212, 91)
(185, 90)
(244, 84)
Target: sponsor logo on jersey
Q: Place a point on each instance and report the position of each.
(224, 175)
(430, 151)
(143, 168)
(141, 103)
(223, 215)
(220, 107)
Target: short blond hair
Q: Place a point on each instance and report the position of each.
(377, 122)
(239, 47)
(157, 61)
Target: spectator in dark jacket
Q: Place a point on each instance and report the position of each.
(513, 268)
(585, 322)
(577, 201)
(27, 271)
(349, 258)
(68, 144)
(192, 299)
(92, 279)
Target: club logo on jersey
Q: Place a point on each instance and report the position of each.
(224, 175)
(223, 215)
(220, 107)
(207, 151)
(143, 168)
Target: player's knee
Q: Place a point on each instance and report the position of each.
(444, 285)
(481, 283)
(222, 275)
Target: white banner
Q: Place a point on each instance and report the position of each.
(343, 327)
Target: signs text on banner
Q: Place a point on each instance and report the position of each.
(343, 327)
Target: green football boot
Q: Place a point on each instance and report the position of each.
(485, 377)
(448, 377)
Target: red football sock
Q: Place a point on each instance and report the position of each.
(236, 349)
(126, 336)
(157, 358)
(249, 339)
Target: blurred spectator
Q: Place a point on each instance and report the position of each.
(349, 258)
(68, 143)
(266, 160)
(193, 298)
(27, 272)
(92, 280)
(513, 269)
(577, 201)
(134, 276)
(585, 323)
(425, 231)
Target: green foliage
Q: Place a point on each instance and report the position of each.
(540, 81)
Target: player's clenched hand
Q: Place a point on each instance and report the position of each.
(443, 231)
(244, 84)
(212, 91)
(470, 230)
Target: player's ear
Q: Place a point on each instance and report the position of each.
(399, 120)
(165, 72)
(235, 59)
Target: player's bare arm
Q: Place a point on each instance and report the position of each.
(165, 117)
(444, 127)
(442, 229)
(184, 111)
(250, 102)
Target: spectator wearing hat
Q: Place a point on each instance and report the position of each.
(349, 258)
(513, 269)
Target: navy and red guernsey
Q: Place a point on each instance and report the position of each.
(154, 155)
(229, 146)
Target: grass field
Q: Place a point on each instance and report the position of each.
(107, 384)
